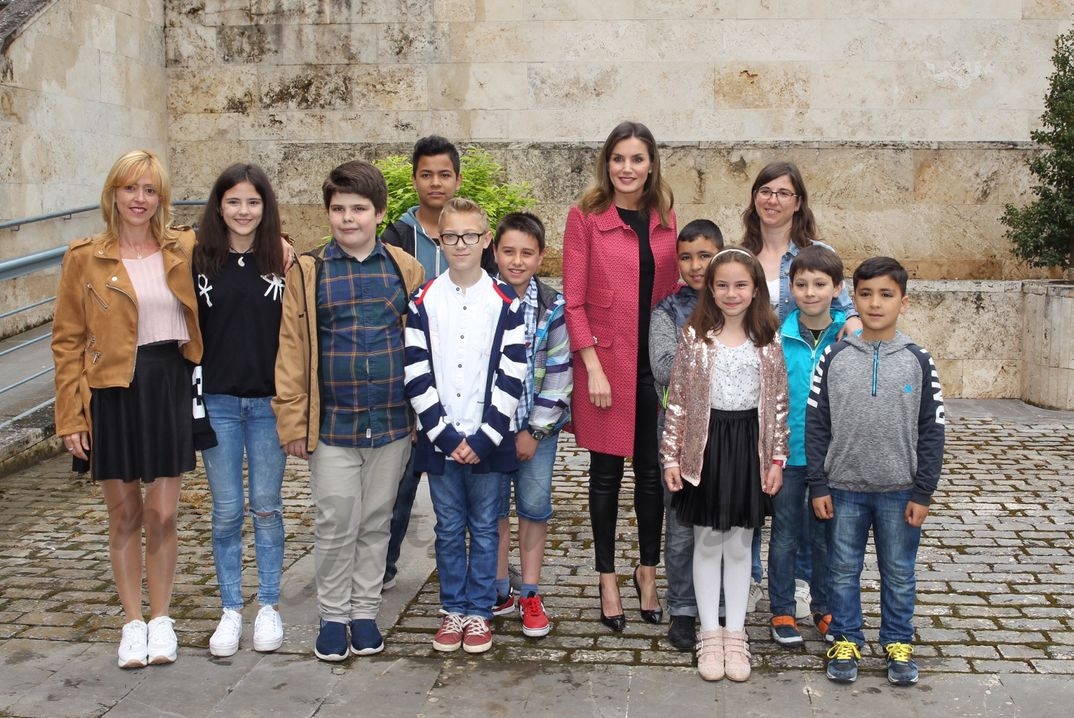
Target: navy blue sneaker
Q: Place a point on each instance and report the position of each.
(843, 660)
(365, 637)
(902, 671)
(332, 642)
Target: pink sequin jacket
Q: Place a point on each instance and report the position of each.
(687, 419)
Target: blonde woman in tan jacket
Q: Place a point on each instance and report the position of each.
(125, 326)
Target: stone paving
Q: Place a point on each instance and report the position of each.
(995, 591)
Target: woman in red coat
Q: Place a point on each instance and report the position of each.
(618, 262)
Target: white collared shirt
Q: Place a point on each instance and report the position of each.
(462, 324)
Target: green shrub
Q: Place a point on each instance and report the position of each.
(482, 181)
(1042, 232)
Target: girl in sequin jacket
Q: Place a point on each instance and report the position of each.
(724, 445)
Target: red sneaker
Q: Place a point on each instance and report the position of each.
(450, 635)
(504, 604)
(534, 620)
(477, 634)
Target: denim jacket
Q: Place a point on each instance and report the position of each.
(786, 304)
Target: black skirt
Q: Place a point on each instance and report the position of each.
(729, 493)
(145, 430)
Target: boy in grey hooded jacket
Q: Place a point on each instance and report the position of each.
(874, 452)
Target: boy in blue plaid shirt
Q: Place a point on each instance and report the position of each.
(340, 401)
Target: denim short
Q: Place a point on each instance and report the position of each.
(532, 483)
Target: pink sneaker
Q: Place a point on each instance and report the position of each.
(477, 635)
(451, 632)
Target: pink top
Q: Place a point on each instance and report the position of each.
(160, 315)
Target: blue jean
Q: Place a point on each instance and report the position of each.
(896, 544)
(404, 506)
(678, 550)
(678, 561)
(465, 502)
(532, 483)
(789, 524)
(245, 426)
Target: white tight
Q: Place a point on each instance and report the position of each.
(732, 550)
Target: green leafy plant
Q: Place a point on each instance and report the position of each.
(1042, 232)
(482, 181)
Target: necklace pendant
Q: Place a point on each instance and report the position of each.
(242, 263)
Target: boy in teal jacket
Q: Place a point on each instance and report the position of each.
(816, 278)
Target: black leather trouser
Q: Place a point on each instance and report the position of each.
(606, 478)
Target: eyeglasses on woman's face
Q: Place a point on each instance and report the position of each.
(781, 195)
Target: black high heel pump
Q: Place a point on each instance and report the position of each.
(656, 615)
(616, 623)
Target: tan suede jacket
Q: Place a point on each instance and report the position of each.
(297, 403)
(95, 329)
(687, 420)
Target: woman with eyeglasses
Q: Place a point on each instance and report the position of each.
(778, 224)
(619, 261)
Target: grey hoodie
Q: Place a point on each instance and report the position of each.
(875, 419)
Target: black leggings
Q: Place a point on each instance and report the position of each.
(606, 477)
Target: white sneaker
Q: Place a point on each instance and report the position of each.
(225, 640)
(133, 651)
(802, 599)
(268, 630)
(756, 594)
(162, 645)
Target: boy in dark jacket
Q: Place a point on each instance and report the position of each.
(697, 243)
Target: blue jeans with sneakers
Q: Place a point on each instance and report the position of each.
(466, 503)
(245, 427)
(896, 541)
(784, 547)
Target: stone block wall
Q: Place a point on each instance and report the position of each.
(973, 329)
(80, 84)
(909, 119)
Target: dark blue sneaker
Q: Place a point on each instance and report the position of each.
(843, 660)
(902, 671)
(365, 637)
(332, 642)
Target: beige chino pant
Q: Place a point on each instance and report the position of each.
(353, 492)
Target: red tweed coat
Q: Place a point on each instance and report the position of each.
(600, 282)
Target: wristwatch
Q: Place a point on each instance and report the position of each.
(537, 434)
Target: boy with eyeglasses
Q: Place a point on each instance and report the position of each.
(466, 363)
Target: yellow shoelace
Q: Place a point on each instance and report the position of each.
(844, 650)
(899, 652)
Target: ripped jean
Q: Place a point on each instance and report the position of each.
(245, 426)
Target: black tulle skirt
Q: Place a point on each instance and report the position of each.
(145, 430)
(729, 493)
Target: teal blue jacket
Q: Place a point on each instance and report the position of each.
(801, 360)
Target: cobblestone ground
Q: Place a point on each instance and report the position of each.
(995, 583)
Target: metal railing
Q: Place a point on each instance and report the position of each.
(38, 261)
(31, 264)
